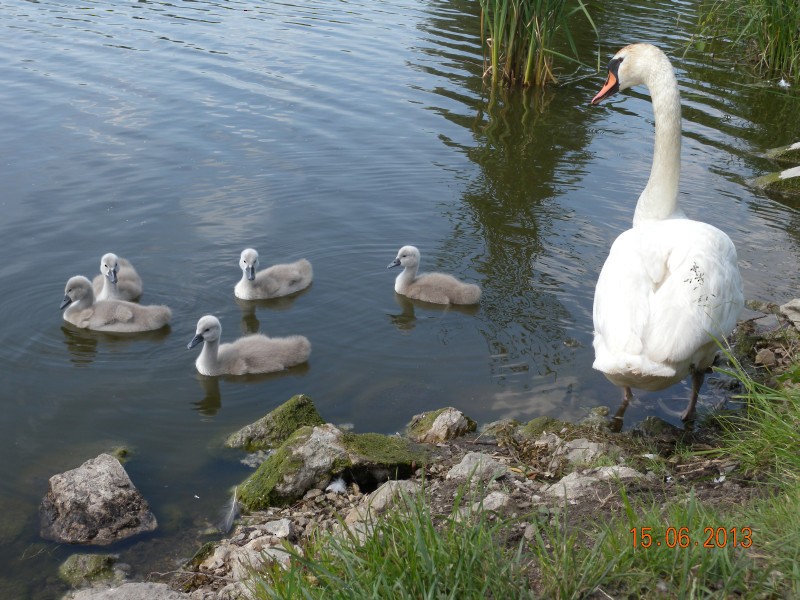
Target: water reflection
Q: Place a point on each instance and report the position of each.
(211, 402)
(406, 319)
(249, 308)
(82, 344)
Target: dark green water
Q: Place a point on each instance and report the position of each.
(176, 134)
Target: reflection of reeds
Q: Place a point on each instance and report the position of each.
(768, 29)
(518, 38)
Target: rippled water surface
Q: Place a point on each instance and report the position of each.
(177, 134)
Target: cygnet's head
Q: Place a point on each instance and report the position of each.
(208, 330)
(77, 289)
(248, 261)
(109, 266)
(633, 65)
(407, 256)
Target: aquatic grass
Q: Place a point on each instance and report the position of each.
(519, 37)
(768, 31)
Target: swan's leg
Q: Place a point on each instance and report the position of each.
(698, 376)
(616, 422)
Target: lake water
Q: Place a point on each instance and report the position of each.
(177, 134)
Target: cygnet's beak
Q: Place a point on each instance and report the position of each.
(251, 272)
(65, 302)
(195, 340)
(112, 276)
(394, 263)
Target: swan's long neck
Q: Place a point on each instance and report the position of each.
(659, 199)
(208, 355)
(86, 302)
(405, 278)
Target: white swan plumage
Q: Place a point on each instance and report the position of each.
(437, 288)
(117, 316)
(251, 354)
(118, 280)
(273, 282)
(670, 287)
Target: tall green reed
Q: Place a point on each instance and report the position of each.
(768, 30)
(519, 38)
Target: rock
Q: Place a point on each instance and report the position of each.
(477, 467)
(584, 452)
(94, 504)
(129, 591)
(784, 182)
(765, 358)
(275, 428)
(597, 418)
(312, 456)
(81, 569)
(540, 425)
(656, 429)
(495, 502)
(791, 310)
(575, 485)
(440, 426)
(382, 499)
(785, 155)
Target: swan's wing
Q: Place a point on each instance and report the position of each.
(664, 291)
(700, 297)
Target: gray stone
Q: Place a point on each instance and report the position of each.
(440, 426)
(576, 485)
(80, 569)
(382, 499)
(275, 428)
(94, 504)
(477, 467)
(129, 591)
(791, 310)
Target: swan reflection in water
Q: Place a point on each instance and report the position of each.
(211, 402)
(406, 319)
(250, 322)
(82, 344)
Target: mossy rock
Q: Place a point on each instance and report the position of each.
(275, 428)
(786, 182)
(260, 490)
(385, 450)
(786, 155)
(420, 425)
(80, 569)
(312, 456)
(539, 425)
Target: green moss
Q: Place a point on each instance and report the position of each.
(79, 569)
(786, 155)
(275, 428)
(539, 425)
(258, 491)
(383, 449)
(202, 553)
(422, 423)
(773, 182)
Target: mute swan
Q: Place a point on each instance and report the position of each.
(273, 282)
(670, 285)
(108, 315)
(438, 288)
(254, 353)
(118, 280)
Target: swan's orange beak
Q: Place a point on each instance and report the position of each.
(609, 89)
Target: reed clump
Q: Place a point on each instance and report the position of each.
(767, 30)
(519, 38)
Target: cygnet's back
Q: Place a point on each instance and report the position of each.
(272, 282)
(438, 288)
(118, 280)
(250, 354)
(109, 315)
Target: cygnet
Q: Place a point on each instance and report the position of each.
(118, 280)
(254, 353)
(108, 315)
(273, 282)
(438, 288)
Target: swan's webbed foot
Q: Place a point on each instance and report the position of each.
(616, 420)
